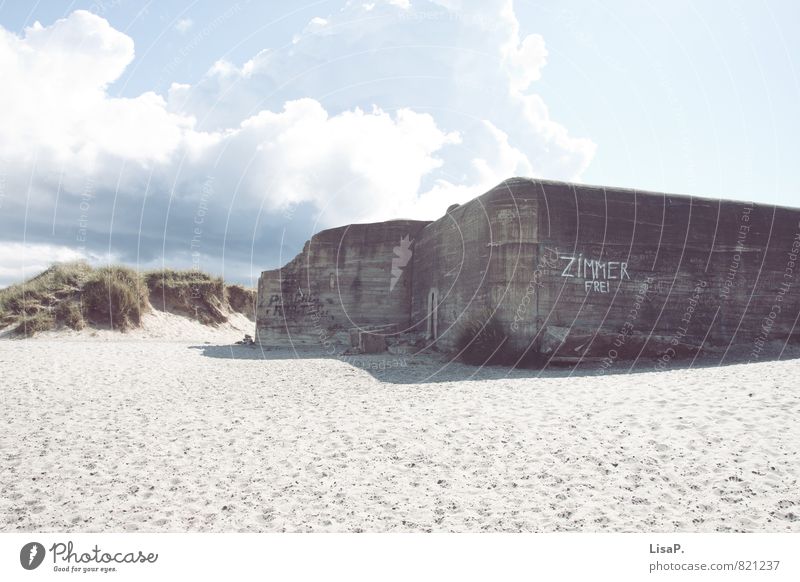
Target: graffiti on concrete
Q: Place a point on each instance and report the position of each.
(402, 256)
(295, 305)
(596, 274)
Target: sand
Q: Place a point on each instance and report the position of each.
(127, 433)
(155, 325)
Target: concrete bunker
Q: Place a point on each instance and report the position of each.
(570, 272)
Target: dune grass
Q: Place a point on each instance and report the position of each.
(242, 299)
(115, 296)
(191, 293)
(75, 295)
(28, 325)
(42, 291)
(36, 304)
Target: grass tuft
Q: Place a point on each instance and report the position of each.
(28, 325)
(115, 296)
(30, 305)
(191, 293)
(242, 299)
(75, 295)
(68, 313)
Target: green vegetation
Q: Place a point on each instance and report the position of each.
(242, 299)
(69, 313)
(114, 296)
(190, 293)
(75, 295)
(30, 324)
(32, 304)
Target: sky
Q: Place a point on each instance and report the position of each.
(221, 136)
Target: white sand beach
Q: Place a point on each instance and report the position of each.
(123, 433)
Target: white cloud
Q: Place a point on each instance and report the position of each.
(59, 112)
(314, 26)
(351, 122)
(485, 73)
(355, 163)
(494, 160)
(183, 25)
(525, 61)
(577, 152)
(20, 261)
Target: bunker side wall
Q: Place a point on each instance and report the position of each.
(358, 276)
(475, 261)
(650, 275)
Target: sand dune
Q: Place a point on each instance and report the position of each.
(103, 435)
(155, 325)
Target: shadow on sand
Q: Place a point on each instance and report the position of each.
(432, 367)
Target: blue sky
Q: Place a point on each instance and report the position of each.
(223, 136)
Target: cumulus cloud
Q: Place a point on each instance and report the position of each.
(58, 110)
(358, 118)
(368, 164)
(525, 61)
(481, 69)
(20, 260)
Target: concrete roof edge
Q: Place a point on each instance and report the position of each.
(711, 198)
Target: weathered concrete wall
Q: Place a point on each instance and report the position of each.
(471, 261)
(583, 272)
(570, 272)
(354, 276)
(688, 272)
